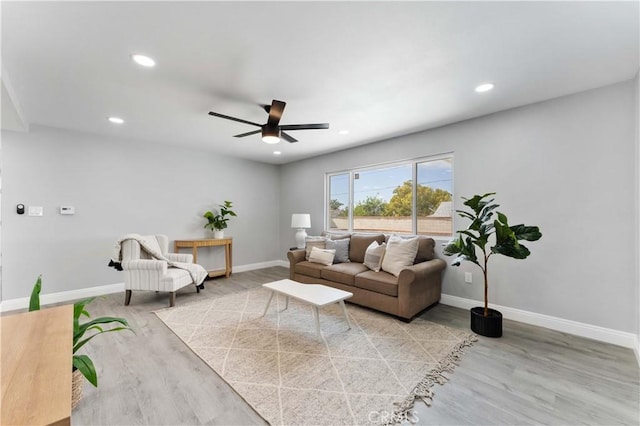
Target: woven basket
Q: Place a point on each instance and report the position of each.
(77, 381)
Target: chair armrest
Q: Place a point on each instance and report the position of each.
(179, 257)
(145, 264)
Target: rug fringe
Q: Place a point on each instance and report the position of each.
(423, 390)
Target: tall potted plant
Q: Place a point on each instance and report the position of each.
(82, 365)
(475, 240)
(217, 222)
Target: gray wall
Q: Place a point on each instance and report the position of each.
(118, 187)
(637, 181)
(565, 165)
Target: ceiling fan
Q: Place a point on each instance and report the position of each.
(272, 131)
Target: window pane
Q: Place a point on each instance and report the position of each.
(435, 205)
(338, 207)
(383, 199)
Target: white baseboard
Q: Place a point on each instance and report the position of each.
(66, 296)
(261, 265)
(63, 296)
(608, 335)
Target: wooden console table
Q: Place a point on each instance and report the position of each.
(36, 367)
(210, 242)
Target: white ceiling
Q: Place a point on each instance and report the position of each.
(377, 69)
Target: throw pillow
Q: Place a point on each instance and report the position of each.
(400, 253)
(322, 256)
(342, 250)
(373, 256)
(311, 242)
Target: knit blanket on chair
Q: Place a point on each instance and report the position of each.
(150, 245)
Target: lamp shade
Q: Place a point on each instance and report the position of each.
(301, 220)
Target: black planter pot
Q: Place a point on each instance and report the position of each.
(489, 326)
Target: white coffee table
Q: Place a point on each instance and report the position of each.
(317, 295)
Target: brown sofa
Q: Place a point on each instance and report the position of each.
(416, 288)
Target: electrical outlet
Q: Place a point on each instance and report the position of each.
(468, 278)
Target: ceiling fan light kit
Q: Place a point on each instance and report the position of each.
(272, 131)
(270, 134)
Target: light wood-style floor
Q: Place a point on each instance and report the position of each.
(531, 375)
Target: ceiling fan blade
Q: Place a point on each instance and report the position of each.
(242, 135)
(304, 126)
(288, 138)
(275, 112)
(234, 119)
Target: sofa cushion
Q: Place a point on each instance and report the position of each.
(342, 250)
(379, 282)
(343, 272)
(322, 256)
(374, 255)
(400, 253)
(309, 269)
(336, 235)
(359, 243)
(311, 242)
(426, 247)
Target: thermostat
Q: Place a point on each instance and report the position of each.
(67, 210)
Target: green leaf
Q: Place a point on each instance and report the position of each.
(453, 247)
(515, 251)
(86, 367)
(527, 233)
(477, 202)
(468, 215)
(81, 343)
(34, 301)
(502, 218)
(79, 331)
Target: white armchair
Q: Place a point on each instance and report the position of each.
(142, 272)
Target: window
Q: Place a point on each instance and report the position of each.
(413, 197)
(338, 205)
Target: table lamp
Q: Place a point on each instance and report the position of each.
(300, 221)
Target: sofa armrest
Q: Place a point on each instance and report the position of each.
(294, 257)
(420, 272)
(145, 264)
(419, 286)
(179, 257)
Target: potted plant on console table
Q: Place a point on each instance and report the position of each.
(485, 321)
(218, 222)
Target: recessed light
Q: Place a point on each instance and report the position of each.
(277, 152)
(116, 120)
(143, 60)
(343, 132)
(485, 87)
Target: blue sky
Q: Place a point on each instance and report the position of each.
(382, 181)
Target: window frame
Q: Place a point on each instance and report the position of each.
(414, 162)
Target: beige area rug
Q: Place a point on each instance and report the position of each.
(369, 374)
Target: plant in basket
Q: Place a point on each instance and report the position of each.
(82, 334)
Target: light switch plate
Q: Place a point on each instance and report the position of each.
(36, 210)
